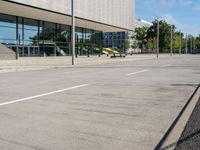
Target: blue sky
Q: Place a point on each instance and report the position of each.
(185, 14)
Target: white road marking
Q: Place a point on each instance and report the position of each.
(134, 73)
(3, 81)
(69, 72)
(42, 95)
(168, 65)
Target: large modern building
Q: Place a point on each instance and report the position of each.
(43, 27)
(115, 40)
(139, 23)
(118, 39)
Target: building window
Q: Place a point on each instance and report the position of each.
(40, 38)
(63, 33)
(88, 36)
(7, 29)
(79, 35)
(49, 31)
(31, 32)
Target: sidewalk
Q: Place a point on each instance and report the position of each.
(191, 135)
(39, 63)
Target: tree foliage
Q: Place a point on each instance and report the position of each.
(140, 34)
(197, 42)
(164, 33)
(147, 38)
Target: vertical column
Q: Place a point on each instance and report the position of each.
(180, 49)
(17, 39)
(186, 49)
(191, 44)
(44, 53)
(171, 42)
(28, 48)
(158, 37)
(73, 32)
(38, 37)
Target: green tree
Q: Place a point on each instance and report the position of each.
(140, 34)
(134, 45)
(197, 42)
(177, 36)
(151, 45)
(190, 40)
(176, 42)
(164, 33)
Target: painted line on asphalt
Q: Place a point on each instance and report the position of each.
(3, 81)
(138, 72)
(42, 95)
(164, 66)
(69, 72)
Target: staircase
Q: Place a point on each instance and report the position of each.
(6, 53)
(61, 51)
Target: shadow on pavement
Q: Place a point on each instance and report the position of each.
(191, 85)
(182, 140)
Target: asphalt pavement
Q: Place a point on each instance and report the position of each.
(112, 106)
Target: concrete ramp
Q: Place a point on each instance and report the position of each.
(6, 53)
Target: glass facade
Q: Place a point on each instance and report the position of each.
(40, 38)
(115, 40)
(8, 29)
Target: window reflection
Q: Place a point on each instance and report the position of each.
(40, 38)
(30, 32)
(7, 29)
(79, 35)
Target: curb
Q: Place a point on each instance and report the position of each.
(173, 134)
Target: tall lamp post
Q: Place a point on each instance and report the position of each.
(191, 45)
(158, 37)
(73, 32)
(180, 49)
(171, 42)
(194, 44)
(18, 43)
(186, 49)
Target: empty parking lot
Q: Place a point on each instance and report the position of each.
(122, 105)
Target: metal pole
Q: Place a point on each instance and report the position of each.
(180, 49)
(186, 49)
(18, 43)
(158, 37)
(73, 33)
(171, 42)
(191, 44)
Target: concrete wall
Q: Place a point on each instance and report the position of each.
(6, 53)
(118, 13)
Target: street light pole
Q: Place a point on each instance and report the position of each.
(171, 42)
(73, 32)
(180, 49)
(191, 44)
(186, 49)
(158, 37)
(18, 43)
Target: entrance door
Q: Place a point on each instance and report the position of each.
(49, 51)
